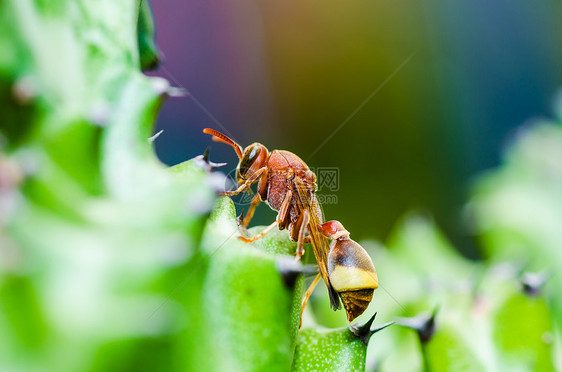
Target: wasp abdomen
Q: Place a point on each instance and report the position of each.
(356, 302)
(353, 276)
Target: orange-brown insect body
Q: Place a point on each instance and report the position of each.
(283, 166)
(287, 184)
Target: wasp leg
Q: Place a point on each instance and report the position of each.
(281, 217)
(301, 239)
(249, 182)
(260, 235)
(307, 295)
(255, 201)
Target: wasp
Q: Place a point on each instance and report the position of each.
(287, 185)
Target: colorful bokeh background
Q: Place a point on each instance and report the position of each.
(421, 95)
(113, 261)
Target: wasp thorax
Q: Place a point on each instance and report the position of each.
(353, 276)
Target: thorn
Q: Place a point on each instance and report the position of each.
(365, 331)
(533, 283)
(240, 221)
(206, 154)
(176, 92)
(381, 327)
(240, 218)
(153, 138)
(160, 85)
(204, 162)
(424, 324)
(25, 90)
(290, 270)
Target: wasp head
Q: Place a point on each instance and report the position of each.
(253, 158)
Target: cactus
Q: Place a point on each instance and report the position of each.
(110, 260)
(467, 316)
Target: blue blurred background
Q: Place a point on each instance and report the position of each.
(428, 93)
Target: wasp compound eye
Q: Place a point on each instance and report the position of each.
(250, 156)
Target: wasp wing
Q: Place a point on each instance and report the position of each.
(307, 201)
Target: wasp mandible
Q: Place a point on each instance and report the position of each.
(288, 186)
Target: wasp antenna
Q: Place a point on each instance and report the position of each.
(219, 137)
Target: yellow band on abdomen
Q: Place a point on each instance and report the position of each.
(345, 278)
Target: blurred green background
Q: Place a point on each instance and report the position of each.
(452, 82)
